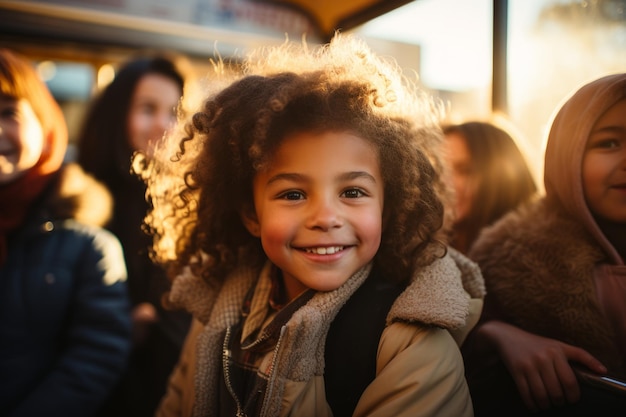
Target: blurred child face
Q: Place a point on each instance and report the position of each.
(604, 165)
(152, 110)
(463, 179)
(21, 138)
(319, 209)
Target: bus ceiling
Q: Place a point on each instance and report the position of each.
(190, 26)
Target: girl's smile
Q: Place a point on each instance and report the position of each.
(325, 250)
(325, 254)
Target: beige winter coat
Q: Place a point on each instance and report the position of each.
(419, 368)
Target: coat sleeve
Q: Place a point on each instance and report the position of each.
(419, 373)
(97, 335)
(179, 396)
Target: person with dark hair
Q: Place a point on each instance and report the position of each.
(65, 331)
(300, 210)
(129, 115)
(490, 177)
(553, 329)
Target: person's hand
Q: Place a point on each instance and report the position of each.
(540, 366)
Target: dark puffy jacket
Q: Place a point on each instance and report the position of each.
(64, 311)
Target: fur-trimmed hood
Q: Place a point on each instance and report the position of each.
(76, 195)
(540, 266)
(438, 294)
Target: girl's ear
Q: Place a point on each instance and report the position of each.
(250, 221)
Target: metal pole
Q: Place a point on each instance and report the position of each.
(499, 97)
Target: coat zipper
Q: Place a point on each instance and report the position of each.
(226, 354)
(272, 373)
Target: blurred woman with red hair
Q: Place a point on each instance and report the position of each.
(64, 312)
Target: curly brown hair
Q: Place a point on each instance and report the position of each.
(200, 193)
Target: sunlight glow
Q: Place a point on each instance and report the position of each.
(454, 36)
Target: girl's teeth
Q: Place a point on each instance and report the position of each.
(325, 251)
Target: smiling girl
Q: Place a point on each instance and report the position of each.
(555, 273)
(64, 326)
(303, 220)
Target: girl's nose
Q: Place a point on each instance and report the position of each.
(325, 214)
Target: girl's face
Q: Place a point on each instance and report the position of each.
(21, 138)
(463, 178)
(604, 165)
(319, 208)
(152, 110)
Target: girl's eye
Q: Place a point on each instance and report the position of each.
(611, 143)
(147, 109)
(353, 193)
(9, 112)
(292, 195)
(607, 144)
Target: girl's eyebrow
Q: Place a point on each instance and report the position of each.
(609, 129)
(286, 176)
(352, 175)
